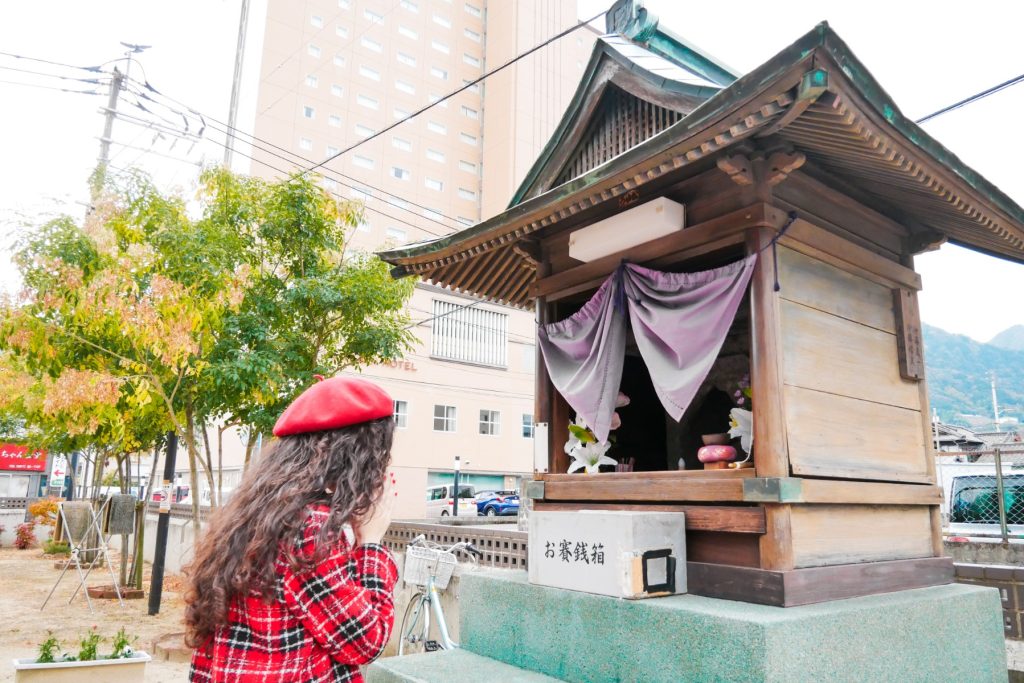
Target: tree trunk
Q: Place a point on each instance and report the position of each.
(214, 500)
(250, 444)
(190, 445)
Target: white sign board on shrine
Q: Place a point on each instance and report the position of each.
(623, 554)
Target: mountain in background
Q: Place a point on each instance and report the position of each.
(958, 377)
(1011, 338)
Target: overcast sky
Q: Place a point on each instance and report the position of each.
(925, 54)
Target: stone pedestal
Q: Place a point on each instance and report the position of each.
(943, 633)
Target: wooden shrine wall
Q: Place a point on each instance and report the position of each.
(849, 413)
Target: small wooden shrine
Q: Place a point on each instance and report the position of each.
(808, 164)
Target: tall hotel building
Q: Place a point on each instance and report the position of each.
(334, 72)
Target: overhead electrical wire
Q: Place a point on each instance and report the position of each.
(95, 69)
(90, 81)
(52, 87)
(973, 98)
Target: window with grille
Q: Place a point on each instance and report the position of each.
(469, 334)
(490, 422)
(444, 418)
(401, 414)
(527, 426)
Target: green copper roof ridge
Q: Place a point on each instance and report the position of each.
(601, 50)
(821, 36)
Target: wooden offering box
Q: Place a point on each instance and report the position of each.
(806, 163)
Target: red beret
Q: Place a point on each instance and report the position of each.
(334, 403)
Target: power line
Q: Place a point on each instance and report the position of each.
(95, 69)
(91, 81)
(328, 173)
(455, 92)
(973, 98)
(50, 87)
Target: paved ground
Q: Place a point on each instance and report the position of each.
(25, 579)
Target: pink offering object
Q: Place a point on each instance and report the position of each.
(716, 453)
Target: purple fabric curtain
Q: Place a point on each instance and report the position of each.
(679, 320)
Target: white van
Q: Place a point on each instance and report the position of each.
(439, 500)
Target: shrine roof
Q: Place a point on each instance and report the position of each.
(816, 96)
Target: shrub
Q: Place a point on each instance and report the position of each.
(123, 644)
(47, 650)
(52, 547)
(44, 511)
(24, 536)
(89, 645)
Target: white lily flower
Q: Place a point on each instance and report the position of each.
(589, 457)
(742, 422)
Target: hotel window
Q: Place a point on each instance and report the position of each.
(437, 98)
(364, 131)
(467, 194)
(474, 87)
(472, 9)
(468, 139)
(472, 35)
(305, 143)
(406, 87)
(400, 114)
(400, 173)
(435, 155)
(399, 202)
(407, 32)
(334, 120)
(342, 31)
(402, 144)
(469, 334)
(339, 60)
(490, 422)
(332, 151)
(308, 112)
(313, 50)
(470, 59)
(367, 72)
(444, 418)
(409, 5)
(439, 46)
(467, 167)
(435, 127)
(408, 60)
(362, 195)
(469, 112)
(337, 90)
(438, 72)
(367, 102)
(442, 21)
(433, 184)
(312, 81)
(373, 16)
(362, 162)
(371, 44)
(527, 426)
(401, 414)
(396, 235)
(432, 214)
(317, 21)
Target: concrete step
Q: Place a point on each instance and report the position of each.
(449, 666)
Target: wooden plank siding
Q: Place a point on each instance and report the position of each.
(849, 412)
(847, 534)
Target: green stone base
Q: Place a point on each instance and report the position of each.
(944, 633)
(453, 666)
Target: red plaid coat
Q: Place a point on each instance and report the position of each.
(323, 624)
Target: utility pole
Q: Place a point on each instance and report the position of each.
(100, 175)
(995, 402)
(156, 585)
(458, 474)
(236, 83)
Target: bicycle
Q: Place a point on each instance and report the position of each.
(430, 567)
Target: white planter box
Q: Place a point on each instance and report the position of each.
(622, 554)
(128, 670)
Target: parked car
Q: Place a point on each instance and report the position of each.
(440, 500)
(497, 503)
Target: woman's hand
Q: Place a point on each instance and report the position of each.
(374, 525)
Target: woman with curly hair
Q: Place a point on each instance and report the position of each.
(290, 582)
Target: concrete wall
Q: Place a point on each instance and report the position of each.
(10, 519)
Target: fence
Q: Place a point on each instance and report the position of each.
(983, 493)
(505, 548)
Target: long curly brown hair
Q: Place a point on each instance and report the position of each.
(237, 555)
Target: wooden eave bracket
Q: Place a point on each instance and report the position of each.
(748, 169)
(529, 251)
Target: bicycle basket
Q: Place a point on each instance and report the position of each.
(421, 563)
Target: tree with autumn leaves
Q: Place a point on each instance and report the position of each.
(157, 314)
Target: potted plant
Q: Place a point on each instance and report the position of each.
(122, 665)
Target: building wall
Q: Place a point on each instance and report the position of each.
(335, 71)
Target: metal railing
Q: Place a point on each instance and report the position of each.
(505, 548)
(983, 493)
